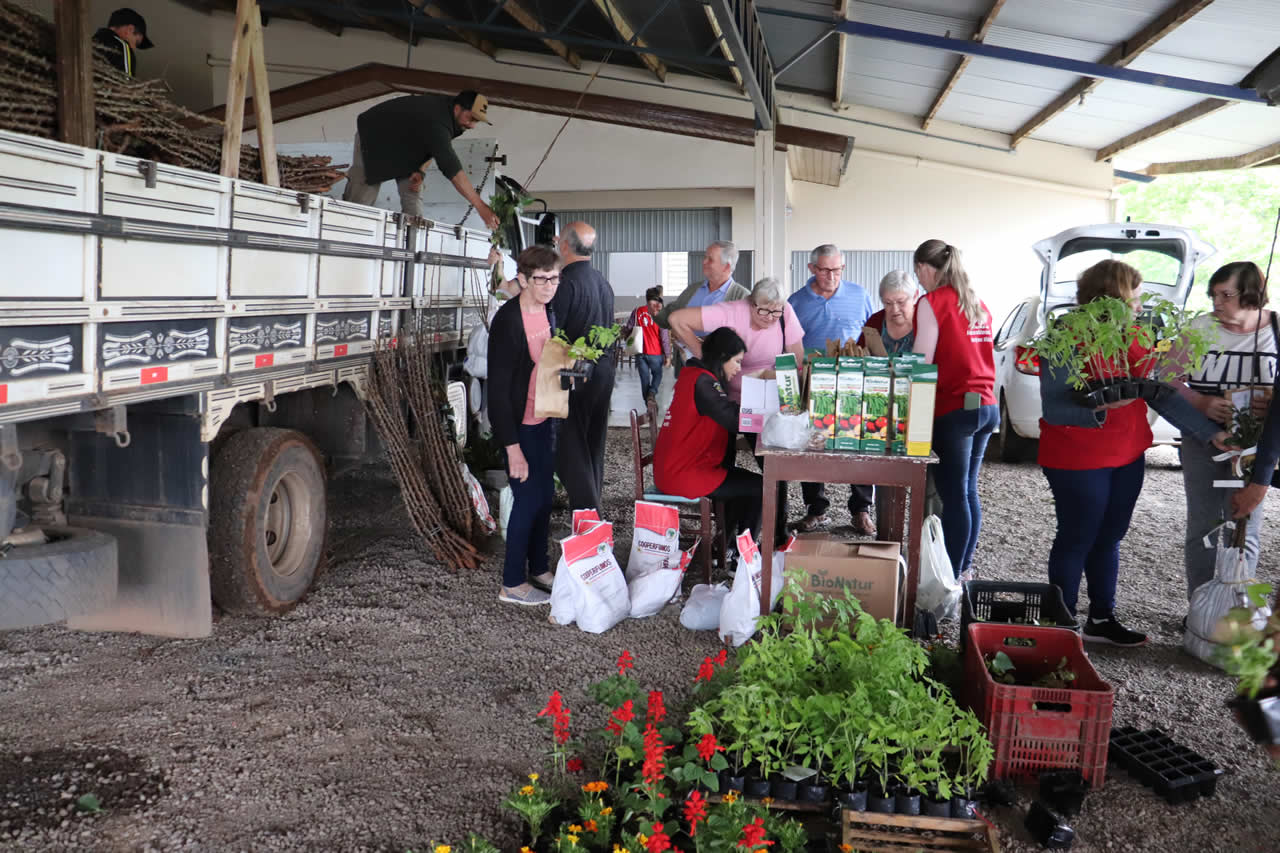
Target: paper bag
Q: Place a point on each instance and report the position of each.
(550, 400)
(759, 400)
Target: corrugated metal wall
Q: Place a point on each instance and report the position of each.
(658, 230)
(860, 267)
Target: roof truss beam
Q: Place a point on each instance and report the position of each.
(630, 35)
(745, 40)
(527, 19)
(478, 42)
(1160, 128)
(979, 35)
(1119, 57)
(1216, 164)
(724, 48)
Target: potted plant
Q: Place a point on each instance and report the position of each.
(1250, 654)
(584, 352)
(975, 758)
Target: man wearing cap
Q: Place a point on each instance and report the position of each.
(395, 138)
(124, 35)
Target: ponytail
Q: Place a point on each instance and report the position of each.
(945, 258)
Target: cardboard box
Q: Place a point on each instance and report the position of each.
(759, 400)
(790, 396)
(876, 391)
(822, 402)
(869, 571)
(923, 397)
(849, 404)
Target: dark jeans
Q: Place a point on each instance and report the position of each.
(742, 492)
(815, 498)
(1093, 507)
(650, 369)
(530, 521)
(960, 440)
(581, 438)
(780, 525)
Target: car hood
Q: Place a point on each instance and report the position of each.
(1121, 238)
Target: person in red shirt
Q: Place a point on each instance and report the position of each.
(694, 456)
(1093, 460)
(953, 331)
(655, 353)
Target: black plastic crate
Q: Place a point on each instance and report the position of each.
(1010, 603)
(1176, 772)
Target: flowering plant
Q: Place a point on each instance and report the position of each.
(531, 803)
(558, 714)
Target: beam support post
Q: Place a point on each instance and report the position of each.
(72, 35)
(770, 208)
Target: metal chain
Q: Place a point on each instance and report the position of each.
(493, 161)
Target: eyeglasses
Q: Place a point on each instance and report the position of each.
(829, 270)
(773, 313)
(1224, 294)
(545, 279)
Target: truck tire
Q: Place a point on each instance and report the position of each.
(72, 574)
(267, 520)
(1013, 447)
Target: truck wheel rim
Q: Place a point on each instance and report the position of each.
(287, 512)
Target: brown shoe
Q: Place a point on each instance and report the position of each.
(810, 523)
(863, 524)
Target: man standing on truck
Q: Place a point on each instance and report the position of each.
(585, 299)
(396, 137)
(124, 35)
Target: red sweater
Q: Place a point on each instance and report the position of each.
(688, 459)
(964, 355)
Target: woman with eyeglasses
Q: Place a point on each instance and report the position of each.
(1243, 354)
(517, 335)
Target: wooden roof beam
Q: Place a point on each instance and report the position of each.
(1216, 164)
(1120, 56)
(628, 33)
(980, 34)
(481, 44)
(1165, 125)
(724, 47)
(527, 19)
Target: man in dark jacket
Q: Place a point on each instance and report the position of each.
(585, 299)
(124, 35)
(395, 138)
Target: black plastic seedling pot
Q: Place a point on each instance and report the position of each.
(1048, 829)
(1260, 716)
(1153, 758)
(1063, 791)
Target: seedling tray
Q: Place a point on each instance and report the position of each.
(1156, 760)
(1010, 603)
(893, 833)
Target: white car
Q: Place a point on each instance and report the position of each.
(1166, 255)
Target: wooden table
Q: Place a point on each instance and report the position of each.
(903, 476)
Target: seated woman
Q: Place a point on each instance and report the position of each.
(895, 323)
(1093, 460)
(695, 452)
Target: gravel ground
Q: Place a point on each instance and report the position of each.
(396, 704)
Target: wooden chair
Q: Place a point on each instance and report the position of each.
(708, 514)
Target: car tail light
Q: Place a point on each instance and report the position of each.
(1026, 361)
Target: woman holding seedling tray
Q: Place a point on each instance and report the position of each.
(1093, 458)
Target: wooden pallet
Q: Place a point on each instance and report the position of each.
(870, 832)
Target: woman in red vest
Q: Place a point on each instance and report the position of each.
(953, 331)
(696, 447)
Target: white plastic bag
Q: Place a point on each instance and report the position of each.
(1212, 599)
(478, 501)
(506, 500)
(653, 591)
(702, 611)
(655, 539)
(635, 341)
(740, 610)
(592, 588)
(939, 591)
(790, 432)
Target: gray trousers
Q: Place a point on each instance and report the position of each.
(360, 192)
(1208, 507)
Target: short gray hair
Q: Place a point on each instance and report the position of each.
(728, 253)
(824, 251)
(766, 290)
(896, 280)
(575, 244)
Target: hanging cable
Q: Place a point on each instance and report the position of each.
(528, 184)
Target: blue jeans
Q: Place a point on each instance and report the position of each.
(960, 440)
(1093, 508)
(650, 368)
(528, 527)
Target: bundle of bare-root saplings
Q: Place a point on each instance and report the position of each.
(133, 117)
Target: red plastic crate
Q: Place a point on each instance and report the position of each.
(1038, 728)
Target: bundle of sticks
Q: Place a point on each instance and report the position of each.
(133, 117)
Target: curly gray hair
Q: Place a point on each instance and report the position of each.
(767, 291)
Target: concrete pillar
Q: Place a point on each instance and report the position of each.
(770, 210)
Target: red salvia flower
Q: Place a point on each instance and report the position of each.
(753, 835)
(705, 671)
(658, 840)
(695, 811)
(559, 714)
(574, 765)
(620, 717)
(656, 710)
(655, 763)
(722, 658)
(708, 747)
(625, 662)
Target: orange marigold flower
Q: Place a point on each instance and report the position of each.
(606, 811)
(590, 826)
(595, 787)
(730, 797)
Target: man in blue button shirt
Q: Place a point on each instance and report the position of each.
(717, 285)
(830, 308)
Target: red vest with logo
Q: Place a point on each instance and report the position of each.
(964, 355)
(649, 327)
(691, 446)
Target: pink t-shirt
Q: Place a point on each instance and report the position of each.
(538, 330)
(762, 344)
